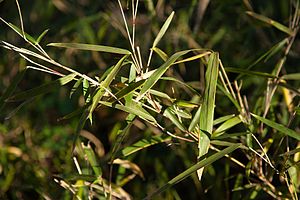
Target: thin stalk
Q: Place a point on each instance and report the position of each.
(133, 55)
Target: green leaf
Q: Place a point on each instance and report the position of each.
(203, 163)
(91, 157)
(18, 30)
(8, 92)
(181, 83)
(271, 22)
(159, 72)
(186, 104)
(294, 76)
(276, 48)
(132, 108)
(223, 119)
(163, 30)
(143, 144)
(91, 47)
(104, 85)
(161, 94)
(170, 115)
(278, 127)
(161, 54)
(227, 125)
(250, 73)
(229, 135)
(75, 87)
(196, 57)
(129, 89)
(207, 108)
(195, 120)
(41, 36)
(43, 89)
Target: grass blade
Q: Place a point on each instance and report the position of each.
(144, 143)
(203, 163)
(170, 115)
(207, 108)
(41, 36)
(91, 157)
(132, 108)
(271, 22)
(129, 89)
(159, 72)
(163, 30)
(91, 47)
(161, 54)
(278, 127)
(250, 73)
(195, 120)
(11, 88)
(294, 76)
(104, 85)
(43, 89)
(227, 125)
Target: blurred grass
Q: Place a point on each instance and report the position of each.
(35, 147)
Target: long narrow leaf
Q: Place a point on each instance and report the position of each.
(170, 115)
(271, 22)
(207, 108)
(91, 157)
(191, 170)
(43, 89)
(278, 127)
(11, 88)
(132, 108)
(163, 30)
(250, 73)
(144, 143)
(104, 85)
(91, 47)
(160, 71)
(195, 120)
(228, 124)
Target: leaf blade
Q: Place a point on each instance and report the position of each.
(91, 47)
(197, 166)
(278, 127)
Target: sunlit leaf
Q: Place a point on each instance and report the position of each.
(132, 108)
(161, 54)
(195, 120)
(170, 115)
(104, 85)
(163, 30)
(160, 71)
(228, 124)
(91, 47)
(208, 105)
(294, 76)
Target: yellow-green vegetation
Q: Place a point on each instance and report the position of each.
(149, 99)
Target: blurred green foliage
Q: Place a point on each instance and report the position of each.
(36, 147)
